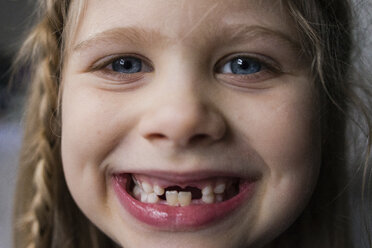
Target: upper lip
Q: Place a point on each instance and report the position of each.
(189, 176)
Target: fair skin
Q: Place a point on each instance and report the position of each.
(187, 112)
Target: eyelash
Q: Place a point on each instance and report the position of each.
(265, 63)
(267, 68)
(103, 68)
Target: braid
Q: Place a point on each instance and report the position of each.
(45, 214)
(38, 154)
(40, 139)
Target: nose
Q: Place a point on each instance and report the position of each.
(181, 118)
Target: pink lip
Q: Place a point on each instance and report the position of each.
(179, 218)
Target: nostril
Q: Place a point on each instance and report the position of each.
(188, 129)
(155, 136)
(199, 138)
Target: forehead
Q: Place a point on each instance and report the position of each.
(183, 19)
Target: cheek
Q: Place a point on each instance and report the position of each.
(89, 133)
(92, 129)
(291, 151)
(283, 128)
(92, 124)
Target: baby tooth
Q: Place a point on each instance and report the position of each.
(137, 191)
(219, 188)
(184, 198)
(208, 198)
(135, 181)
(152, 198)
(147, 187)
(158, 190)
(207, 190)
(172, 197)
(219, 198)
(144, 196)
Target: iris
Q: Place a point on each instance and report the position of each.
(242, 65)
(127, 65)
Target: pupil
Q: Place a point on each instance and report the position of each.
(127, 65)
(244, 64)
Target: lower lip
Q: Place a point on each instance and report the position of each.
(179, 218)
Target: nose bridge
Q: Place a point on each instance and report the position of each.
(184, 107)
(181, 113)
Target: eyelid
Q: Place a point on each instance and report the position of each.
(267, 63)
(106, 61)
(252, 81)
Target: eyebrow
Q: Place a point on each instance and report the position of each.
(118, 35)
(243, 32)
(224, 34)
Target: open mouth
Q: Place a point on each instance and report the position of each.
(207, 191)
(181, 204)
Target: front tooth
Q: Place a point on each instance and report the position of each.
(208, 198)
(144, 196)
(137, 191)
(152, 198)
(172, 197)
(147, 187)
(219, 188)
(207, 190)
(184, 198)
(158, 190)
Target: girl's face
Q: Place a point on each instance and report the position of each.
(189, 123)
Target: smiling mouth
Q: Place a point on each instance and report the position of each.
(148, 190)
(181, 204)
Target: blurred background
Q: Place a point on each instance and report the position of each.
(15, 18)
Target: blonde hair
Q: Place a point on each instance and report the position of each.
(45, 214)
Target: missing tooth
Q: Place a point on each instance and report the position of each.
(195, 192)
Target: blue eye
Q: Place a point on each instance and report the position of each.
(242, 65)
(127, 65)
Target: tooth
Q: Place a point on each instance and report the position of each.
(135, 181)
(144, 196)
(158, 190)
(172, 197)
(152, 198)
(147, 187)
(137, 191)
(219, 198)
(219, 188)
(208, 198)
(184, 198)
(207, 190)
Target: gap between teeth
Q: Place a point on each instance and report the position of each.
(147, 193)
